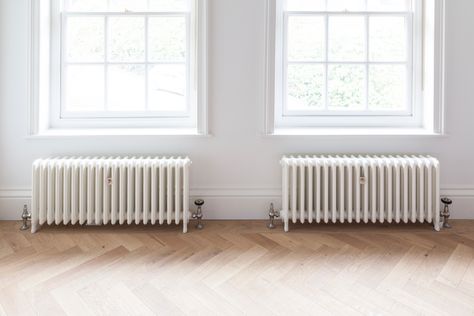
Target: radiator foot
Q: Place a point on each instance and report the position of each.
(285, 220)
(35, 227)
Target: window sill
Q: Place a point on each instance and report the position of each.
(160, 132)
(347, 132)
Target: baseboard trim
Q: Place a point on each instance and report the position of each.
(15, 193)
(236, 203)
(452, 191)
(458, 192)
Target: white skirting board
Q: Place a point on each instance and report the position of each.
(237, 204)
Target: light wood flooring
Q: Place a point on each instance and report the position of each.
(238, 268)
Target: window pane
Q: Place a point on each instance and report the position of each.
(127, 39)
(168, 5)
(85, 5)
(387, 39)
(84, 88)
(347, 38)
(387, 5)
(346, 5)
(306, 38)
(346, 85)
(167, 88)
(85, 39)
(305, 87)
(306, 5)
(126, 88)
(167, 39)
(387, 87)
(127, 5)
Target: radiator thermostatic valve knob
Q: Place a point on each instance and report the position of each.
(198, 214)
(446, 214)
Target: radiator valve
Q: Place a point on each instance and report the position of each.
(446, 214)
(198, 214)
(25, 216)
(272, 214)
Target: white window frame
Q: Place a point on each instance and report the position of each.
(46, 69)
(427, 114)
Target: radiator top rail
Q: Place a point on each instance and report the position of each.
(185, 160)
(354, 159)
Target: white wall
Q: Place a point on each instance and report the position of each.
(237, 169)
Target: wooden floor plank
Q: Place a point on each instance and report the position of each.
(238, 268)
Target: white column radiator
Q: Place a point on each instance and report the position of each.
(100, 191)
(360, 189)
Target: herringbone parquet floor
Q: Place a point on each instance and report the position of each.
(238, 268)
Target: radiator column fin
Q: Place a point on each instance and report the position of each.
(326, 190)
(342, 193)
(317, 187)
(294, 196)
(302, 190)
(285, 194)
(350, 189)
(310, 191)
(373, 190)
(365, 190)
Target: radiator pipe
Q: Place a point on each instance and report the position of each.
(272, 214)
(25, 216)
(446, 214)
(198, 214)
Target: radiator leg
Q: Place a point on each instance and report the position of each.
(286, 223)
(35, 226)
(186, 222)
(285, 220)
(185, 227)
